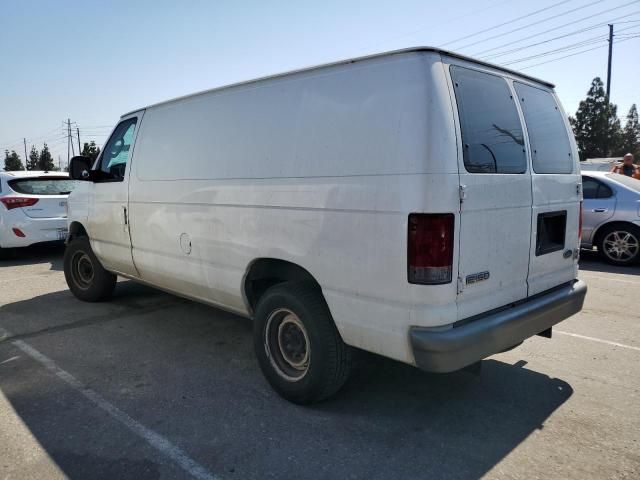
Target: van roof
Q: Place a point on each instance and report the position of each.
(352, 60)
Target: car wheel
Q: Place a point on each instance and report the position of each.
(620, 245)
(86, 277)
(298, 346)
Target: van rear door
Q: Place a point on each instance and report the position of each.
(556, 189)
(496, 199)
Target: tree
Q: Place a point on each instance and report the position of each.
(90, 150)
(596, 125)
(45, 161)
(34, 157)
(12, 161)
(631, 134)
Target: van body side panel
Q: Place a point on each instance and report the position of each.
(321, 169)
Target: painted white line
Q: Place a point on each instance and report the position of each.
(9, 360)
(599, 340)
(154, 439)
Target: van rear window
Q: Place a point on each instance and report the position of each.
(550, 147)
(491, 131)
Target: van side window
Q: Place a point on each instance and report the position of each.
(550, 147)
(113, 161)
(492, 137)
(594, 189)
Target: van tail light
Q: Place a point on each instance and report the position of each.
(580, 224)
(18, 233)
(15, 202)
(430, 248)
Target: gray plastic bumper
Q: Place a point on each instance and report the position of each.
(478, 338)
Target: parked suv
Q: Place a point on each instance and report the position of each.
(416, 204)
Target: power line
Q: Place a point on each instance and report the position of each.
(453, 19)
(576, 32)
(562, 26)
(574, 54)
(572, 46)
(537, 22)
(505, 23)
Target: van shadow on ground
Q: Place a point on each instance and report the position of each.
(187, 371)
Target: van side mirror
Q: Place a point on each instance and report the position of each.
(80, 168)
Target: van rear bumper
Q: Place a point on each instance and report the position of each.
(474, 339)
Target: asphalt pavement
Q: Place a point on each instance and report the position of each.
(152, 386)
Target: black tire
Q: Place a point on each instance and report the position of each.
(619, 244)
(86, 277)
(277, 338)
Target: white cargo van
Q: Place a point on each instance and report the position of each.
(416, 204)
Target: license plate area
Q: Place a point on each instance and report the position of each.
(552, 228)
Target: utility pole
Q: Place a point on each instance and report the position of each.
(68, 139)
(609, 64)
(25, 152)
(78, 130)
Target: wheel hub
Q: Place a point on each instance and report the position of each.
(621, 245)
(287, 344)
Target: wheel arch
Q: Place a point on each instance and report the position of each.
(264, 273)
(76, 229)
(597, 235)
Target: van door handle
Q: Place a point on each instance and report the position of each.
(600, 210)
(125, 218)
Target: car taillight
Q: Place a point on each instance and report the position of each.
(430, 248)
(15, 202)
(580, 223)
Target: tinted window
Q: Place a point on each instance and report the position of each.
(550, 147)
(115, 154)
(491, 131)
(592, 188)
(44, 186)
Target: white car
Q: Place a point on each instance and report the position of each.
(417, 204)
(33, 207)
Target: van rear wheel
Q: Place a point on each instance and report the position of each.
(86, 278)
(298, 346)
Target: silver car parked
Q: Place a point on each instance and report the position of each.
(611, 216)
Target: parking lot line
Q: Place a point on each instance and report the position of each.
(599, 340)
(154, 439)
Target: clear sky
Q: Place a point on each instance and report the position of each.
(92, 61)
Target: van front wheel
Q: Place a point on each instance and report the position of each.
(86, 278)
(298, 346)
